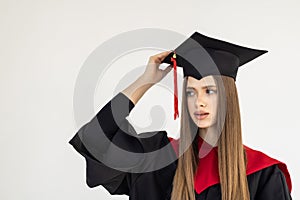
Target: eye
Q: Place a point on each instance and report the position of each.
(210, 91)
(190, 93)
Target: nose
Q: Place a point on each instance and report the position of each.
(200, 102)
(203, 105)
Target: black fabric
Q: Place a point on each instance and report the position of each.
(266, 184)
(200, 56)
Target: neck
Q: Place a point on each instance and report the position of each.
(209, 135)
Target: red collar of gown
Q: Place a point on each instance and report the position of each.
(207, 172)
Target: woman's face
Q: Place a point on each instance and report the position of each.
(202, 100)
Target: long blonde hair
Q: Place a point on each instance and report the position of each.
(232, 160)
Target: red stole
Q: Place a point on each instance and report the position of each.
(207, 172)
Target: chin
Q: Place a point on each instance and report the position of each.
(202, 124)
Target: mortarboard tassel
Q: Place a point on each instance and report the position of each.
(173, 59)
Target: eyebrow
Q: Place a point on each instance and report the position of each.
(202, 87)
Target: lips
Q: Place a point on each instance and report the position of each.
(201, 114)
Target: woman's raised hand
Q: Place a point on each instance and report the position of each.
(152, 72)
(151, 76)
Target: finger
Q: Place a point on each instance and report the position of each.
(162, 55)
(157, 58)
(168, 69)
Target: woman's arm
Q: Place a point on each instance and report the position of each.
(98, 133)
(97, 139)
(137, 89)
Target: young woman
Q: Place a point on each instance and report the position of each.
(211, 160)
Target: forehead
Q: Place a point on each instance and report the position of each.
(207, 80)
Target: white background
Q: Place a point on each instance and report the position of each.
(44, 44)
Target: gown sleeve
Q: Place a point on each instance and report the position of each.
(96, 142)
(272, 185)
(99, 141)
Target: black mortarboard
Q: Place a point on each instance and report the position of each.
(200, 56)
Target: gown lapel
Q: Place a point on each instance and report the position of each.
(207, 173)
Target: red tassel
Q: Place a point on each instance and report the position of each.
(176, 113)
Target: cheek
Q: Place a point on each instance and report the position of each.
(190, 105)
(214, 105)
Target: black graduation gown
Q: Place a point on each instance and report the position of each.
(266, 184)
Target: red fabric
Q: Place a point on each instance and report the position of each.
(176, 113)
(207, 173)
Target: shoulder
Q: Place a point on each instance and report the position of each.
(257, 161)
(175, 144)
(254, 155)
(269, 183)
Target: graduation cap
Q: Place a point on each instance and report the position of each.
(200, 56)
